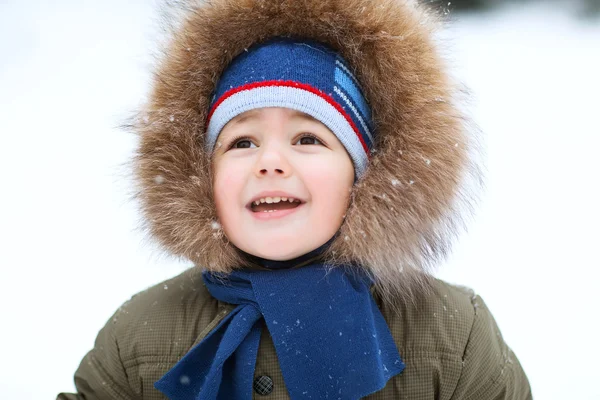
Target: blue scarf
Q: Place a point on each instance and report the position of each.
(330, 337)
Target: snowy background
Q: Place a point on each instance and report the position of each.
(71, 251)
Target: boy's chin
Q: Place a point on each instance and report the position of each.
(282, 245)
(278, 255)
(281, 252)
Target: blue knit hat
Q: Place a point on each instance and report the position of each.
(302, 75)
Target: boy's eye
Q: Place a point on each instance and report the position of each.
(246, 143)
(308, 139)
(242, 143)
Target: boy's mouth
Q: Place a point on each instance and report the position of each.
(272, 204)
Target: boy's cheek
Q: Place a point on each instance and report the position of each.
(224, 180)
(228, 175)
(330, 192)
(227, 187)
(328, 182)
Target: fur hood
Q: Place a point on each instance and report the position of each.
(405, 210)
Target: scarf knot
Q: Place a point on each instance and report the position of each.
(330, 337)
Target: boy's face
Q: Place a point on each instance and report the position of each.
(272, 155)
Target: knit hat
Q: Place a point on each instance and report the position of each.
(302, 75)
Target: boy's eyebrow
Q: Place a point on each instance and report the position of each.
(305, 116)
(249, 115)
(244, 117)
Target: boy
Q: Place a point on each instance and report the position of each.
(307, 157)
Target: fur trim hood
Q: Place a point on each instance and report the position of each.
(404, 211)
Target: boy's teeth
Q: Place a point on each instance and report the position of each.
(270, 200)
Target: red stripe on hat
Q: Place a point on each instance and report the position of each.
(291, 84)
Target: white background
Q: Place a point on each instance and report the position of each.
(71, 251)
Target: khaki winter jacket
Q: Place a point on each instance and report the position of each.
(449, 342)
(403, 214)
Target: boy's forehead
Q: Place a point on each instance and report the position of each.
(257, 112)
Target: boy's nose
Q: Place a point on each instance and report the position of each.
(276, 171)
(272, 162)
